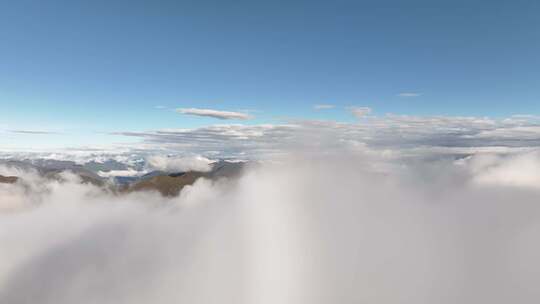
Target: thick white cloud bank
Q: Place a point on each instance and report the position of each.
(334, 228)
(179, 163)
(521, 170)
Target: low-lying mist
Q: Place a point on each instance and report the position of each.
(307, 229)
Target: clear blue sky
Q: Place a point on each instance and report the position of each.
(83, 67)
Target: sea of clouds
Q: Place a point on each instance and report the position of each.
(337, 227)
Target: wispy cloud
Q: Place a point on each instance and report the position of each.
(160, 107)
(214, 113)
(37, 132)
(409, 94)
(359, 112)
(323, 106)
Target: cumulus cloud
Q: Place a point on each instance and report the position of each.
(179, 163)
(519, 170)
(323, 106)
(214, 113)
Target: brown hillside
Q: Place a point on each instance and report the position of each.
(167, 185)
(8, 179)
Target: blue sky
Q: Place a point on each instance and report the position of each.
(86, 68)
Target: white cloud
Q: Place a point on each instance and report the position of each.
(323, 106)
(302, 230)
(406, 134)
(214, 113)
(409, 94)
(34, 132)
(179, 163)
(360, 112)
(221, 140)
(521, 170)
(509, 132)
(125, 173)
(402, 134)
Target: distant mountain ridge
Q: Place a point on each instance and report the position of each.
(166, 183)
(171, 184)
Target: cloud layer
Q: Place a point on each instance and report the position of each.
(389, 134)
(397, 134)
(313, 228)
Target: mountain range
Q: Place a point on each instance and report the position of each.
(166, 183)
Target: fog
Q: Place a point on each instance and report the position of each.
(340, 228)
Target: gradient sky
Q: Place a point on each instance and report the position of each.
(87, 68)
